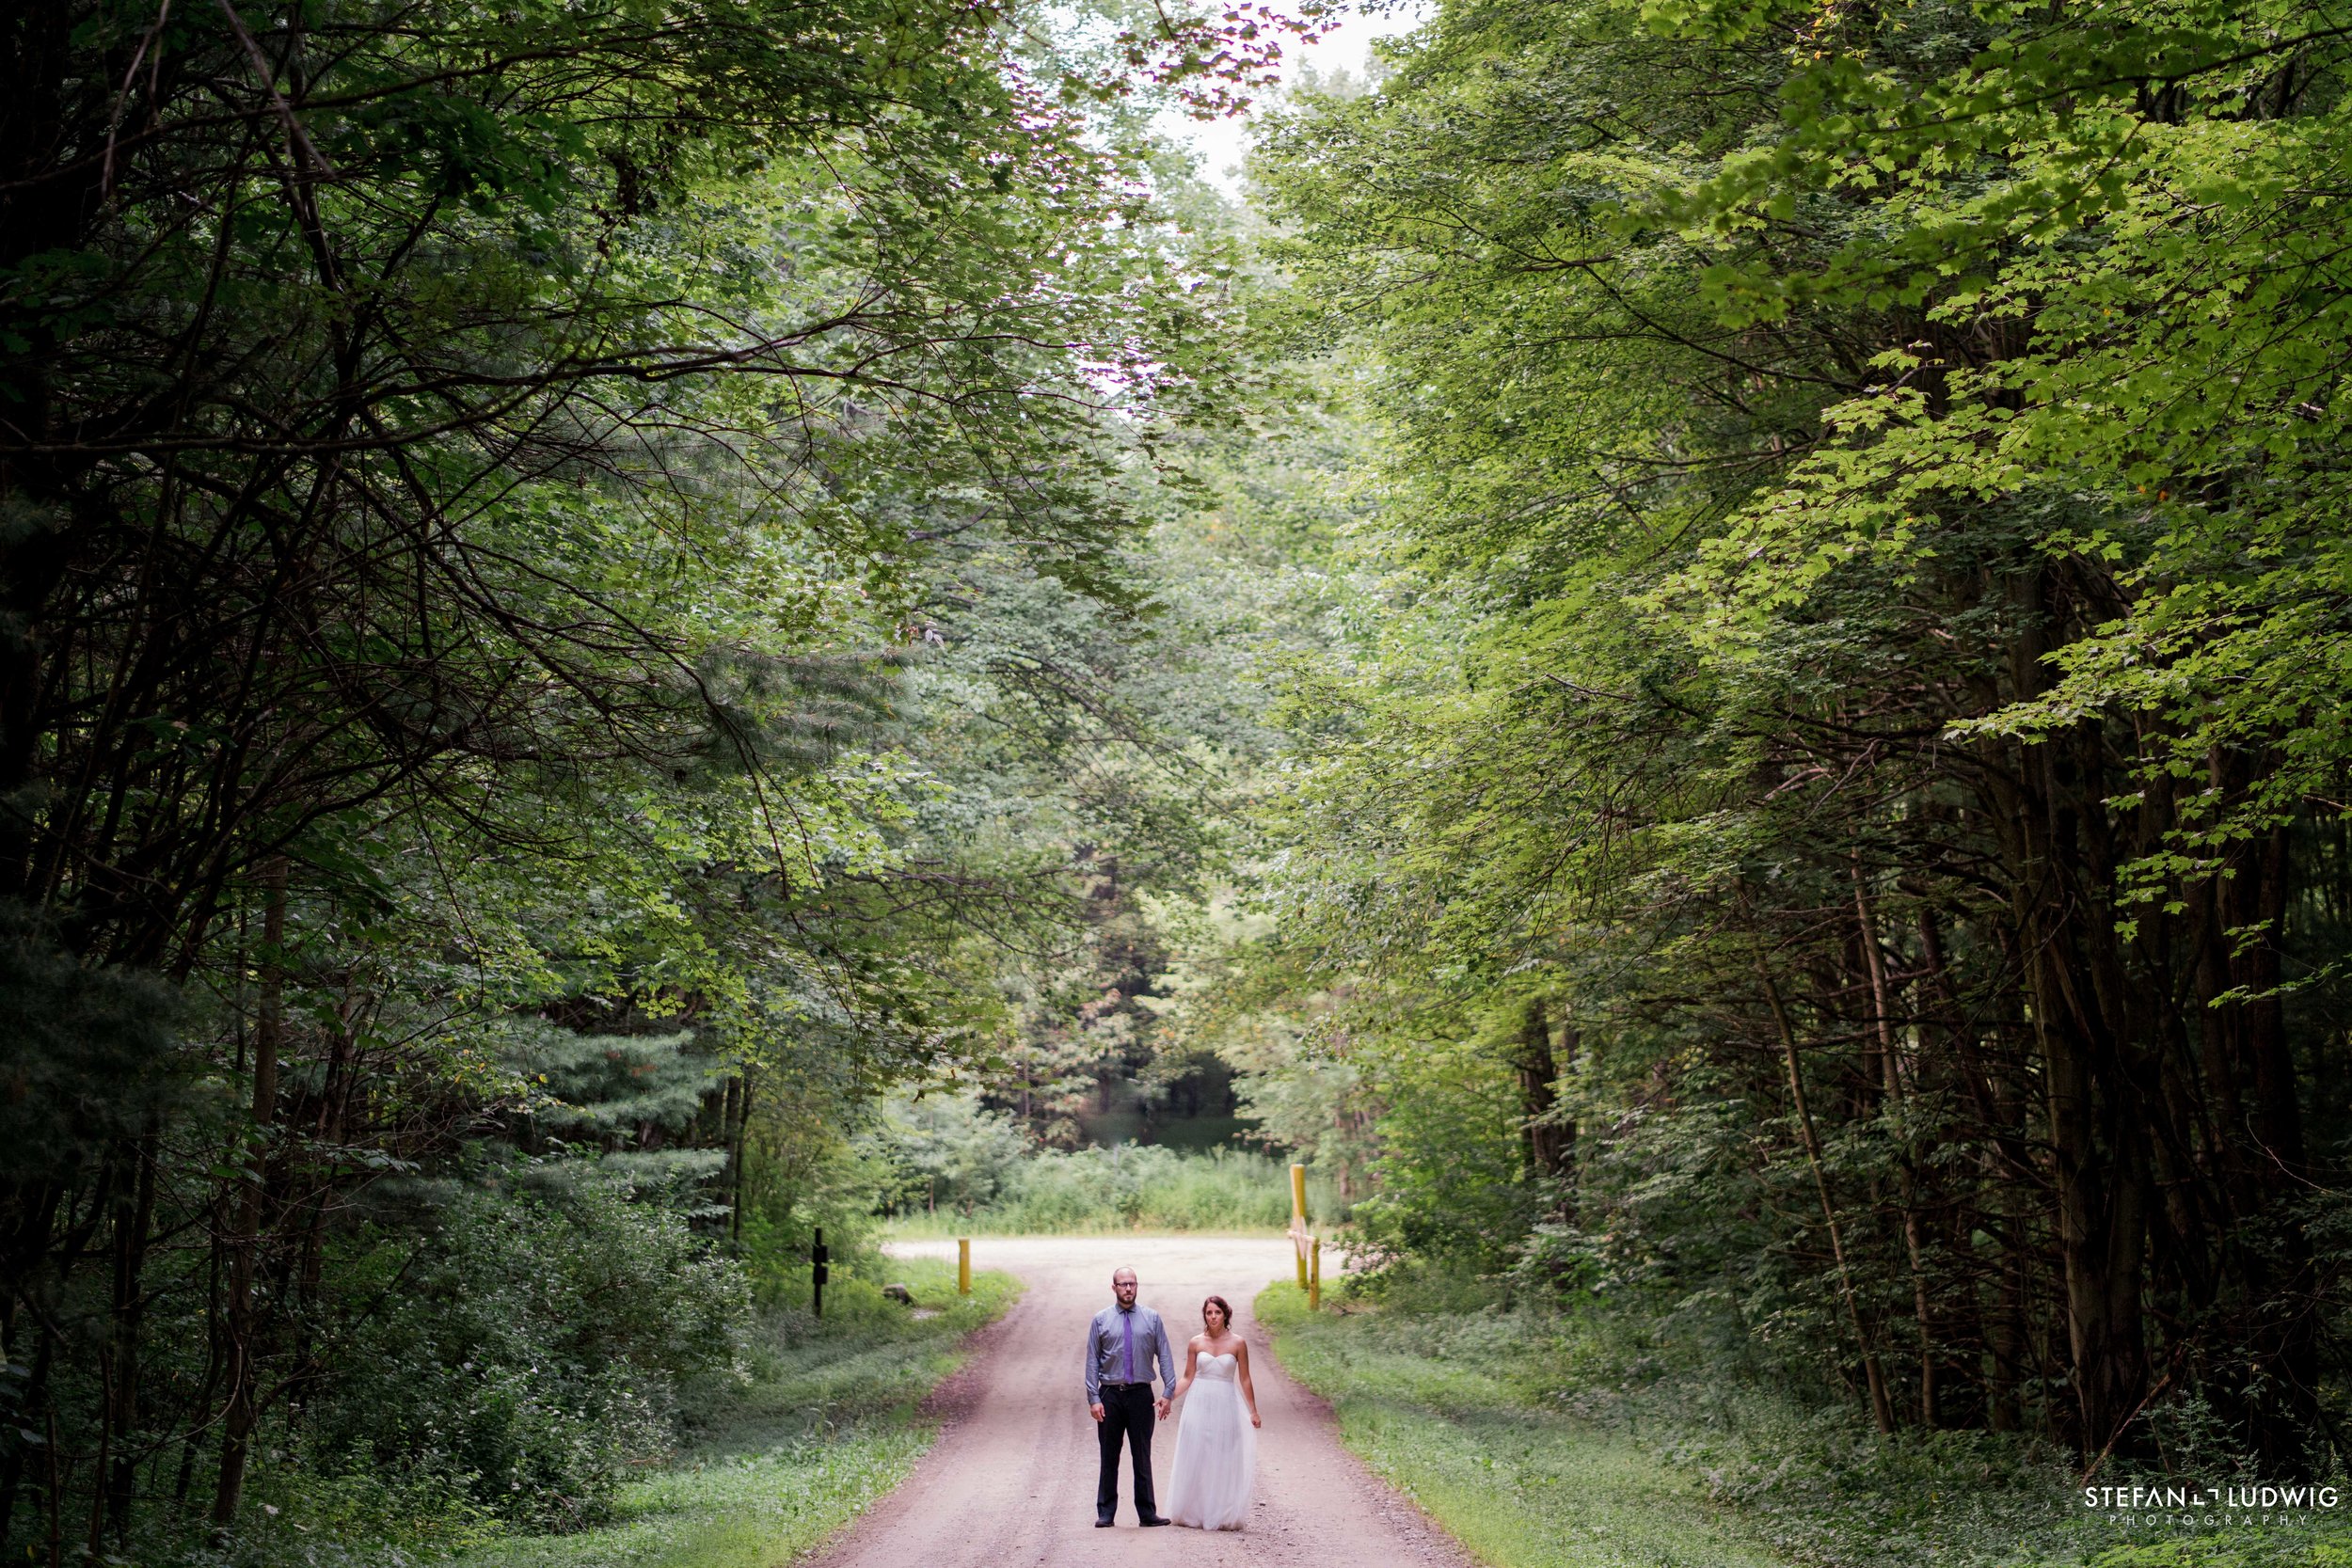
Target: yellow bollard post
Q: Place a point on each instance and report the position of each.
(963, 1265)
(1315, 1273)
(1299, 1220)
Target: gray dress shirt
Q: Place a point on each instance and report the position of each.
(1108, 1339)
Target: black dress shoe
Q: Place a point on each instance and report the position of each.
(1149, 1523)
(1101, 1524)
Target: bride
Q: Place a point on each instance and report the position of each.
(1217, 1442)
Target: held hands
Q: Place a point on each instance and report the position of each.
(1162, 1406)
(1095, 1411)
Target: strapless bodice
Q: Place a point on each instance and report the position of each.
(1221, 1367)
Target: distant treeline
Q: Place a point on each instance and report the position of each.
(960, 1171)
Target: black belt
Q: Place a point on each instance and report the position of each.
(1144, 1385)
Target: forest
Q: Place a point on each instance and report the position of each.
(1701, 649)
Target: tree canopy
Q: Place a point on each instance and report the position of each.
(1703, 653)
(1852, 741)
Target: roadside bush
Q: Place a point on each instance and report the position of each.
(526, 1351)
(1449, 1164)
(820, 1179)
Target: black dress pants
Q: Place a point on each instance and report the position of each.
(1128, 1414)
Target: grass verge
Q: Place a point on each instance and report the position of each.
(826, 1426)
(1534, 1450)
(1520, 1486)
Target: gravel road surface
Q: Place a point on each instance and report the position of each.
(1011, 1481)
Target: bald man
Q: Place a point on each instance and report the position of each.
(1124, 1342)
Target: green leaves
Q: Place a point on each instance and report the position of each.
(1863, 552)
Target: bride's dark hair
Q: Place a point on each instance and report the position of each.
(1222, 1306)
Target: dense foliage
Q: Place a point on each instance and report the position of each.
(1716, 681)
(573, 611)
(1825, 817)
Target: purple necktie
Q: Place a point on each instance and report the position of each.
(1128, 1317)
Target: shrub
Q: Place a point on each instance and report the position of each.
(527, 1349)
(1133, 1187)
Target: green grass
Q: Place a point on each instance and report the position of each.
(1521, 1486)
(1528, 1438)
(826, 1426)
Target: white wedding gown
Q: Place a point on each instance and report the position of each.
(1216, 1451)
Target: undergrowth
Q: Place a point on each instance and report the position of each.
(825, 1424)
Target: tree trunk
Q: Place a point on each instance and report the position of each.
(1907, 1157)
(1882, 1407)
(242, 1416)
(134, 1218)
(738, 1134)
(1544, 1144)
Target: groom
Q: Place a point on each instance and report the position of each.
(1121, 1344)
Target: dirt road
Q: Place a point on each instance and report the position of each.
(1010, 1482)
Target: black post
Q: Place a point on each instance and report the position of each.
(817, 1273)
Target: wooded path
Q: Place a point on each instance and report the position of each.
(1011, 1481)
